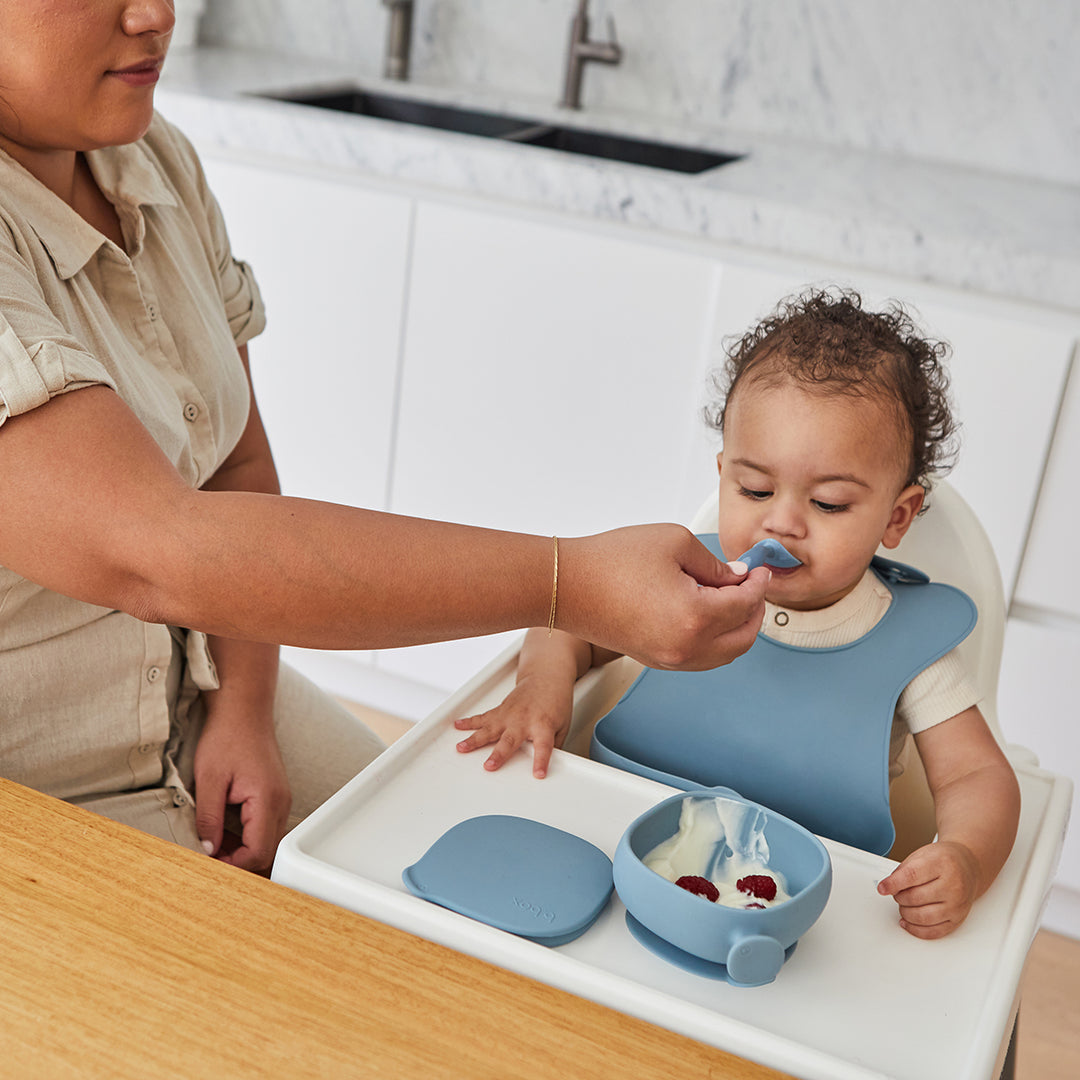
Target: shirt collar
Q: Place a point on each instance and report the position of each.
(810, 622)
(127, 176)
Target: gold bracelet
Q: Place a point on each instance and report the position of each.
(554, 586)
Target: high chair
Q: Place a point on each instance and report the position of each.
(827, 1014)
(949, 544)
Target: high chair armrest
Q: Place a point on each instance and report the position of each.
(1020, 755)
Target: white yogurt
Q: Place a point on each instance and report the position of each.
(721, 840)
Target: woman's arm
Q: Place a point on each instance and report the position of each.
(977, 806)
(237, 761)
(93, 509)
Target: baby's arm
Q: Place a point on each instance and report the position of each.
(977, 806)
(538, 708)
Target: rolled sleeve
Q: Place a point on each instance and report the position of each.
(236, 280)
(32, 374)
(243, 301)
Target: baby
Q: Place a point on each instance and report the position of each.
(833, 419)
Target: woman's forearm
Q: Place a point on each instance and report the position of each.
(124, 530)
(319, 575)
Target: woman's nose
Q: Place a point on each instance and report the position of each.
(148, 17)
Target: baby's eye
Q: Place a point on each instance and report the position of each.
(759, 495)
(831, 508)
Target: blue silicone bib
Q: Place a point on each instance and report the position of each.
(804, 731)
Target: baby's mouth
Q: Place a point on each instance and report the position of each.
(785, 571)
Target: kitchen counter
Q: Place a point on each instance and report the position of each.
(980, 231)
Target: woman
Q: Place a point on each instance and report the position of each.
(141, 509)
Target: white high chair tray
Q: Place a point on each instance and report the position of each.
(859, 998)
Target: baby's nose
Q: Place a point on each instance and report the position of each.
(783, 518)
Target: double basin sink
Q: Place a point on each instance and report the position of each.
(572, 140)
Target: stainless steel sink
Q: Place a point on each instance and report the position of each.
(410, 111)
(527, 132)
(684, 159)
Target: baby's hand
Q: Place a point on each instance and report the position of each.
(536, 710)
(934, 887)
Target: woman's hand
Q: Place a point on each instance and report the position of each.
(934, 888)
(656, 593)
(237, 763)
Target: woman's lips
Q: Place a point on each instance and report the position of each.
(145, 74)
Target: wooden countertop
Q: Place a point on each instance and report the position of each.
(126, 957)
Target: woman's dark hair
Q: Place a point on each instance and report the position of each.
(824, 340)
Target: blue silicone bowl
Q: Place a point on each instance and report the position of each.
(751, 945)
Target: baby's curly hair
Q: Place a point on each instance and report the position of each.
(824, 340)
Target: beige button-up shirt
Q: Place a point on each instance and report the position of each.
(84, 693)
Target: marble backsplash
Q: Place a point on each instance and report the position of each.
(991, 84)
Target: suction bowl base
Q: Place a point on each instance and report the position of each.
(707, 969)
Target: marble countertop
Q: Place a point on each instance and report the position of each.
(989, 233)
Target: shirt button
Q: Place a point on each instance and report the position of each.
(152, 674)
(145, 748)
(191, 411)
(151, 311)
(781, 618)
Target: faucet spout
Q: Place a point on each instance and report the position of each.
(582, 50)
(398, 39)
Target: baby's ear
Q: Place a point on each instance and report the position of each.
(720, 462)
(905, 510)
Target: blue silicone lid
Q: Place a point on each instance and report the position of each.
(517, 875)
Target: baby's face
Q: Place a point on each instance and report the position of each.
(822, 474)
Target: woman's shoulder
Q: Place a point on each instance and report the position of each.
(22, 200)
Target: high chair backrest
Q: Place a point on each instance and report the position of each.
(949, 544)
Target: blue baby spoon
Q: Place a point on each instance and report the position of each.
(768, 553)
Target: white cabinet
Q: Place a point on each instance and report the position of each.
(330, 258)
(552, 376)
(1037, 700)
(1049, 579)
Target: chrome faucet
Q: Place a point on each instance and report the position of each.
(581, 50)
(398, 39)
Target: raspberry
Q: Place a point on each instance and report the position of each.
(699, 886)
(760, 886)
(747, 906)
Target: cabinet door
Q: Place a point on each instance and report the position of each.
(1037, 696)
(1048, 580)
(551, 383)
(1008, 368)
(330, 260)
